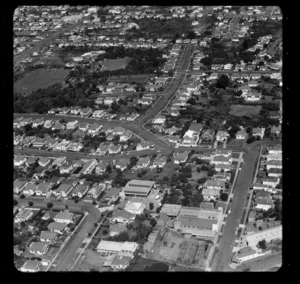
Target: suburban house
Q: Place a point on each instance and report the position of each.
(86, 112)
(120, 262)
(95, 191)
(191, 137)
(180, 157)
(64, 217)
(88, 167)
(143, 163)
(47, 236)
(64, 110)
(159, 162)
(275, 149)
(125, 136)
(75, 146)
(75, 110)
(19, 185)
(101, 167)
(72, 124)
(31, 266)
(114, 149)
(38, 248)
(63, 145)
(138, 188)
(258, 132)
(51, 143)
(263, 200)
(246, 253)
(273, 172)
(19, 160)
(80, 190)
(277, 164)
(135, 207)
(143, 146)
(159, 119)
(94, 128)
(58, 126)
(29, 189)
(122, 163)
(109, 100)
(98, 113)
(44, 161)
(209, 194)
(124, 249)
(272, 181)
(222, 136)
(215, 184)
(83, 126)
(112, 194)
(67, 167)
(241, 134)
(252, 96)
(122, 216)
(57, 227)
(103, 149)
(63, 190)
(43, 188)
(37, 122)
(23, 215)
(276, 130)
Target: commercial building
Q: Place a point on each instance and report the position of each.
(125, 248)
(138, 188)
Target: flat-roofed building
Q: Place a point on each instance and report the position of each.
(170, 209)
(125, 248)
(139, 188)
(267, 235)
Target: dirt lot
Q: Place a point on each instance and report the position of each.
(243, 110)
(174, 248)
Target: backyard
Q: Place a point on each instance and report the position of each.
(244, 110)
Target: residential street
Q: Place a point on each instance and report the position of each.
(244, 179)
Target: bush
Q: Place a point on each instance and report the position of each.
(224, 196)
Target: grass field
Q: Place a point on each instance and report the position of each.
(244, 110)
(116, 64)
(130, 78)
(39, 79)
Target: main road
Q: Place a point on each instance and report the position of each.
(244, 179)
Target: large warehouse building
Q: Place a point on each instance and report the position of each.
(138, 188)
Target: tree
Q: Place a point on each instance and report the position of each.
(104, 232)
(250, 139)
(211, 172)
(224, 196)
(30, 203)
(152, 222)
(49, 205)
(262, 244)
(207, 61)
(198, 169)
(151, 206)
(191, 35)
(222, 82)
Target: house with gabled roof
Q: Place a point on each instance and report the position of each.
(57, 227)
(122, 216)
(48, 236)
(159, 162)
(180, 157)
(143, 163)
(114, 149)
(43, 188)
(64, 217)
(75, 110)
(38, 248)
(80, 190)
(122, 163)
(258, 132)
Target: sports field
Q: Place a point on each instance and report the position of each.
(244, 110)
(40, 79)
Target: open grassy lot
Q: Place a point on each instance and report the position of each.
(130, 78)
(116, 64)
(244, 110)
(39, 79)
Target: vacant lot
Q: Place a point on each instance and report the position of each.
(40, 79)
(130, 78)
(243, 110)
(115, 64)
